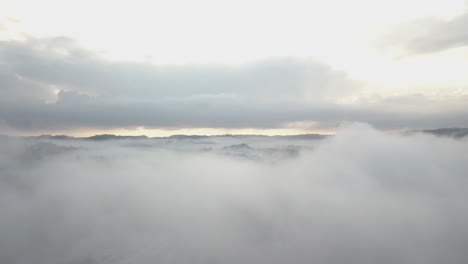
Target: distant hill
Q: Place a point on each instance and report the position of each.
(448, 132)
(187, 136)
(305, 137)
(94, 138)
(59, 137)
(110, 136)
(104, 137)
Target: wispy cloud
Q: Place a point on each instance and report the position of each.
(428, 35)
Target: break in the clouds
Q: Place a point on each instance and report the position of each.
(359, 197)
(53, 83)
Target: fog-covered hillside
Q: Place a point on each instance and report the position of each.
(361, 196)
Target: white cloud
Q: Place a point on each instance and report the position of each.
(53, 83)
(359, 197)
(429, 35)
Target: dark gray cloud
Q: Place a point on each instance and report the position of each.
(359, 197)
(224, 113)
(60, 62)
(430, 34)
(54, 83)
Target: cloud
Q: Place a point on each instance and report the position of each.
(54, 84)
(360, 197)
(60, 62)
(429, 35)
(151, 93)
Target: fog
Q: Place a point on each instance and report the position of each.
(362, 196)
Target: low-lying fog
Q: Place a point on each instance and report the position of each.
(361, 197)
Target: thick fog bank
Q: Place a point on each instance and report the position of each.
(359, 197)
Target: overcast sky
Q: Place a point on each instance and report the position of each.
(214, 67)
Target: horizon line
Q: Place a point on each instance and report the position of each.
(156, 137)
(95, 136)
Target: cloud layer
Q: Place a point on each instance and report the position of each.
(360, 197)
(54, 84)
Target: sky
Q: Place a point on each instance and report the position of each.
(355, 69)
(216, 67)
